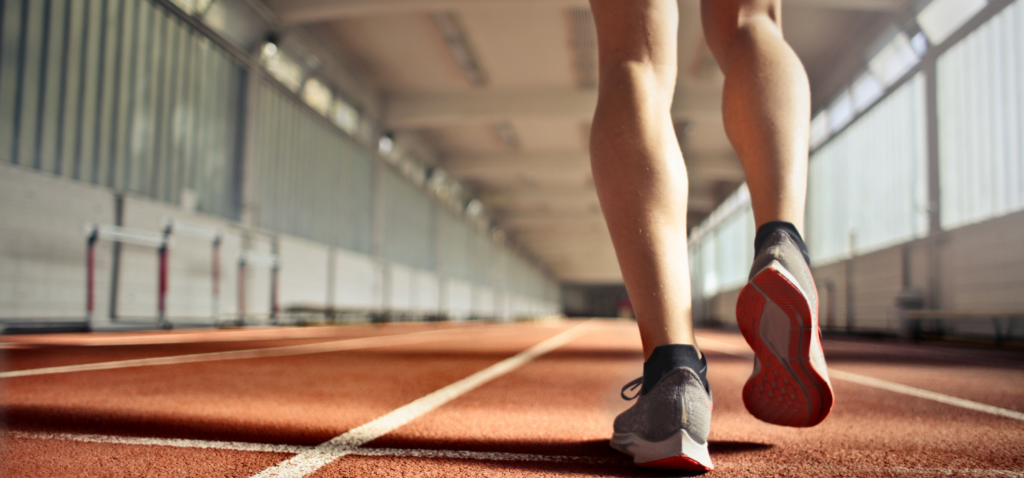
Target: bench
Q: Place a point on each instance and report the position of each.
(1003, 322)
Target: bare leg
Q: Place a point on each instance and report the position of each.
(766, 103)
(766, 108)
(638, 167)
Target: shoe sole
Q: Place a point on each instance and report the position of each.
(788, 389)
(678, 452)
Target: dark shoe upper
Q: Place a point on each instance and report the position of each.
(782, 248)
(679, 401)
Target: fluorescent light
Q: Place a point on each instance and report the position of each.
(474, 207)
(454, 35)
(385, 144)
(269, 49)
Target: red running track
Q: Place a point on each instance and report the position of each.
(263, 402)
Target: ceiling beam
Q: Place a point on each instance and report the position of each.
(518, 156)
(586, 221)
(531, 197)
(565, 165)
(444, 109)
(700, 167)
(296, 12)
(293, 12)
(715, 172)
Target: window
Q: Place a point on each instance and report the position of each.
(892, 57)
(345, 116)
(867, 188)
(942, 18)
(866, 90)
(819, 129)
(840, 112)
(981, 121)
(282, 67)
(317, 96)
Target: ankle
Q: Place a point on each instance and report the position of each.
(666, 358)
(768, 228)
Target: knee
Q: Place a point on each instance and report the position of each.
(637, 43)
(642, 76)
(726, 20)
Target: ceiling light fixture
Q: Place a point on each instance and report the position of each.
(270, 45)
(455, 37)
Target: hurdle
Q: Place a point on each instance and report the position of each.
(123, 235)
(257, 258)
(197, 231)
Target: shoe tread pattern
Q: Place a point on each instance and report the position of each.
(792, 393)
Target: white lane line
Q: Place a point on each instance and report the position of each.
(169, 442)
(730, 349)
(322, 347)
(312, 460)
(178, 337)
(925, 394)
(296, 449)
(471, 455)
(478, 455)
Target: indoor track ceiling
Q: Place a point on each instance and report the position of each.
(504, 90)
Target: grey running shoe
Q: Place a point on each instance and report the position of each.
(668, 426)
(777, 312)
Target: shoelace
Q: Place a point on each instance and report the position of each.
(630, 387)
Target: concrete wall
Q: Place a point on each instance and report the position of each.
(979, 268)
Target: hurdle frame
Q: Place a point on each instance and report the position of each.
(95, 233)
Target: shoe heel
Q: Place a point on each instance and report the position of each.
(787, 389)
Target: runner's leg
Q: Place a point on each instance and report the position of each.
(766, 109)
(637, 164)
(766, 103)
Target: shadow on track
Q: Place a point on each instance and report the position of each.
(596, 457)
(109, 422)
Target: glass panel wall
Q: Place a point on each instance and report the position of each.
(309, 179)
(981, 121)
(122, 94)
(867, 187)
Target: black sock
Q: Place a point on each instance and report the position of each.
(668, 357)
(768, 228)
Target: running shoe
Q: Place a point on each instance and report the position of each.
(668, 426)
(777, 312)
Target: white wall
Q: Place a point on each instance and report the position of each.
(483, 302)
(358, 283)
(458, 299)
(400, 289)
(303, 273)
(258, 284)
(427, 293)
(43, 244)
(43, 250)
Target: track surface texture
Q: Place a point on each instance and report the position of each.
(473, 399)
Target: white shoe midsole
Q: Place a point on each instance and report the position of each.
(644, 451)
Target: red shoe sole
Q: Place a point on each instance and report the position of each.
(788, 390)
(681, 462)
